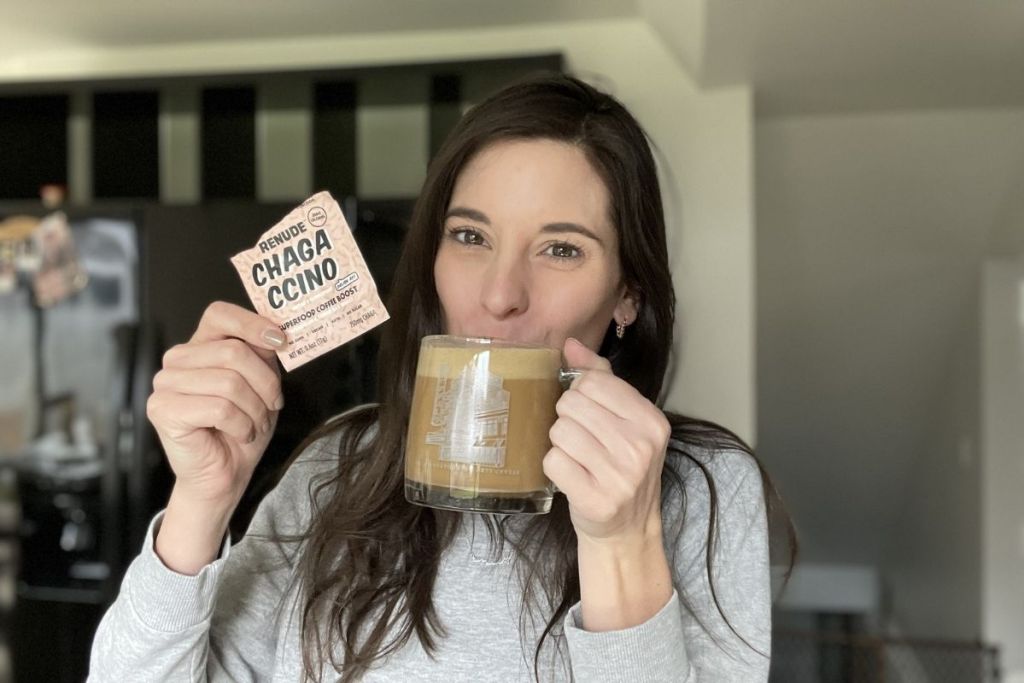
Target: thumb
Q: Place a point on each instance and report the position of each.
(579, 357)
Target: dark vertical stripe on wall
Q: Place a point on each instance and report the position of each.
(229, 143)
(33, 144)
(125, 145)
(334, 138)
(445, 108)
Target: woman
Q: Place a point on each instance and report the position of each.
(540, 220)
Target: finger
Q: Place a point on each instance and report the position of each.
(604, 425)
(235, 355)
(217, 382)
(618, 415)
(567, 474)
(583, 447)
(579, 357)
(222, 320)
(178, 415)
(615, 395)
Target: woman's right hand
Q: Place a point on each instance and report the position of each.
(215, 404)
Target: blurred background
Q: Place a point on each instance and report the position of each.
(843, 184)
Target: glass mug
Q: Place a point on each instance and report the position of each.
(478, 429)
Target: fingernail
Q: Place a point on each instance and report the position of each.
(279, 403)
(266, 426)
(273, 336)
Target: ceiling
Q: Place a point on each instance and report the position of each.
(34, 27)
(801, 56)
(132, 23)
(824, 56)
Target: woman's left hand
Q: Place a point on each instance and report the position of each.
(608, 447)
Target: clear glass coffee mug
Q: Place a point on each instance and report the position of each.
(478, 429)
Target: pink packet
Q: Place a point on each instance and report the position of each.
(308, 276)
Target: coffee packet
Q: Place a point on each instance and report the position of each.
(307, 275)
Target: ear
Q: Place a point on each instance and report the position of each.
(628, 307)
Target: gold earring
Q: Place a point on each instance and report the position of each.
(620, 330)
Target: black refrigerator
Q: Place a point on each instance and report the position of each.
(76, 375)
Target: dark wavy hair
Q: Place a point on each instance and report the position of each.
(370, 558)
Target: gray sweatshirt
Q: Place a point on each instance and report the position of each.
(239, 618)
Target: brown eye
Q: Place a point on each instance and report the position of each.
(563, 251)
(467, 236)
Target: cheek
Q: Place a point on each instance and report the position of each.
(441, 285)
(579, 308)
(449, 292)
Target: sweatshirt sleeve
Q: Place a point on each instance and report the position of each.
(157, 627)
(220, 625)
(688, 640)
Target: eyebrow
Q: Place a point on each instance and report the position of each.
(560, 227)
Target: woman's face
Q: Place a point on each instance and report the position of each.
(527, 251)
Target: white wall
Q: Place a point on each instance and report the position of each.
(393, 135)
(891, 407)
(871, 232)
(80, 146)
(934, 545)
(179, 131)
(705, 138)
(832, 589)
(1003, 481)
(284, 140)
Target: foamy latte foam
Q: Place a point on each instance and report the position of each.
(500, 358)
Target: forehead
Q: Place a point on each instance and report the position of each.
(545, 180)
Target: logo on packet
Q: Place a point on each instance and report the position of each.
(316, 217)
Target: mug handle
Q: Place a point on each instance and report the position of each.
(566, 377)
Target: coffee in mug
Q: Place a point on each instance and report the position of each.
(478, 430)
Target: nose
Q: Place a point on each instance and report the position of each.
(505, 292)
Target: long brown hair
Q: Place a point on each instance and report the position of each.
(370, 559)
